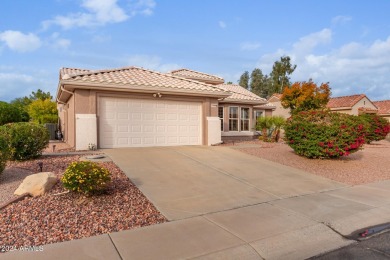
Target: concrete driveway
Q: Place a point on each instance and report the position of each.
(189, 181)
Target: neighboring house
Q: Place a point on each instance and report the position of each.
(383, 108)
(353, 105)
(275, 100)
(136, 107)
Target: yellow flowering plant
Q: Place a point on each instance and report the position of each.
(85, 177)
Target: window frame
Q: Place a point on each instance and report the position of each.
(242, 119)
(221, 118)
(235, 119)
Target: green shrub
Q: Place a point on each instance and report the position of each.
(270, 127)
(4, 152)
(26, 140)
(378, 127)
(85, 177)
(10, 113)
(322, 134)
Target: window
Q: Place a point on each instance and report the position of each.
(233, 118)
(244, 119)
(220, 115)
(257, 115)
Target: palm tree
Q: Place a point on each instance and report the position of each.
(264, 124)
(278, 123)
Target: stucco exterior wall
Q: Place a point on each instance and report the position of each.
(70, 127)
(364, 102)
(279, 110)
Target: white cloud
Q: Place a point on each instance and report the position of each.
(250, 46)
(101, 12)
(341, 19)
(151, 62)
(57, 42)
(12, 83)
(351, 69)
(222, 24)
(20, 42)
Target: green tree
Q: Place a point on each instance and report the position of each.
(40, 95)
(304, 96)
(10, 113)
(281, 71)
(244, 80)
(256, 82)
(43, 111)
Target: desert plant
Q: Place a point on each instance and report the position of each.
(278, 123)
(378, 128)
(4, 152)
(322, 134)
(85, 177)
(264, 124)
(26, 140)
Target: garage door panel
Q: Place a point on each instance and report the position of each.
(136, 122)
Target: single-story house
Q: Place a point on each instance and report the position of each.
(136, 107)
(353, 105)
(275, 100)
(383, 108)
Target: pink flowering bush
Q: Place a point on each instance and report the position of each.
(378, 129)
(322, 134)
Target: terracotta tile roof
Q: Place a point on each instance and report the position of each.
(239, 93)
(277, 95)
(129, 77)
(383, 107)
(344, 101)
(192, 74)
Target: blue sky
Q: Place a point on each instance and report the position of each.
(346, 43)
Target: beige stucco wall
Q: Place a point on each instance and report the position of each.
(70, 127)
(364, 102)
(279, 110)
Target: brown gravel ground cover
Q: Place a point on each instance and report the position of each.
(371, 164)
(54, 218)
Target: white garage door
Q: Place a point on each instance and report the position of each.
(138, 123)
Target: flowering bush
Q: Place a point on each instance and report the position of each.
(322, 134)
(86, 177)
(378, 129)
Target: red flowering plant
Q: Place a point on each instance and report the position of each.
(378, 128)
(323, 134)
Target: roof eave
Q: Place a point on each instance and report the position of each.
(242, 101)
(72, 85)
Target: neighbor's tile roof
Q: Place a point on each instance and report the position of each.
(344, 101)
(135, 76)
(240, 93)
(277, 95)
(195, 74)
(383, 106)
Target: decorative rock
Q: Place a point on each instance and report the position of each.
(37, 184)
(98, 156)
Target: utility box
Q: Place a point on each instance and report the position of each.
(52, 128)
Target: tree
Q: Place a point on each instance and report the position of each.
(229, 83)
(244, 80)
(280, 74)
(40, 95)
(43, 111)
(10, 113)
(303, 96)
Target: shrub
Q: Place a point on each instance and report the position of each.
(4, 152)
(322, 134)
(26, 140)
(378, 127)
(10, 113)
(85, 177)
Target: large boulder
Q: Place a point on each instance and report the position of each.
(37, 184)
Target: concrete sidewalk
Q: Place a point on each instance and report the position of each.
(226, 205)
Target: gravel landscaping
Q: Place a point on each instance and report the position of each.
(54, 218)
(371, 164)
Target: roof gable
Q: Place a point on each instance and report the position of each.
(196, 75)
(345, 101)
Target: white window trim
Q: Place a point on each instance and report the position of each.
(238, 119)
(249, 120)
